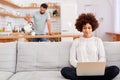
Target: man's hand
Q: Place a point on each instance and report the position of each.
(27, 18)
(50, 33)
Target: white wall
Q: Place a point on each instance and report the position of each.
(103, 10)
(68, 17)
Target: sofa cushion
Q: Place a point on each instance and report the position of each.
(5, 75)
(42, 56)
(38, 75)
(37, 56)
(112, 50)
(8, 56)
(64, 48)
(117, 77)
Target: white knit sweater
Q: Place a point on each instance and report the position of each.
(87, 50)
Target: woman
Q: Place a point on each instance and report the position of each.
(87, 49)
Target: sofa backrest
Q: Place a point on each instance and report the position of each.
(8, 56)
(112, 50)
(42, 55)
(55, 55)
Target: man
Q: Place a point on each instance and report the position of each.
(40, 19)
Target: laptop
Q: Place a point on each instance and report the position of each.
(90, 68)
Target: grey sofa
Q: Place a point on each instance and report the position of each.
(43, 60)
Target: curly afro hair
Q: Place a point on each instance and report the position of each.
(83, 19)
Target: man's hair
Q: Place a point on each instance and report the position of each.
(44, 5)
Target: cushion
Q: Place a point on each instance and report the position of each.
(112, 50)
(38, 75)
(5, 75)
(117, 77)
(64, 48)
(8, 56)
(37, 56)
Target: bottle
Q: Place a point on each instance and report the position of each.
(9, 27)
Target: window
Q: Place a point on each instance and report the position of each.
(117, 15)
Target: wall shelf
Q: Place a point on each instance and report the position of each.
(28, 7)
(8, 3)
(3, 14)
(11, 4)
(10, 15)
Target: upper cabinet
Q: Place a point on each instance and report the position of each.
(53, 8)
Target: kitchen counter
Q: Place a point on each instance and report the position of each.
(16, 36)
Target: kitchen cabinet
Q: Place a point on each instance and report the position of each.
(17, 36)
